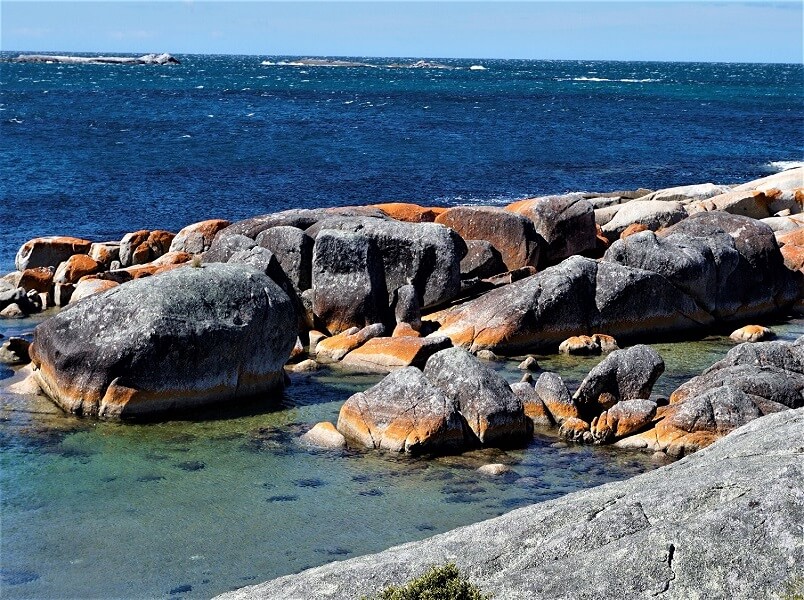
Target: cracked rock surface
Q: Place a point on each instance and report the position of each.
(725, 522)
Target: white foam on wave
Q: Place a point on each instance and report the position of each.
(786, 165)
(477, 68)
(597, 79)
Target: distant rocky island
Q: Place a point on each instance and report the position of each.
(145, 59)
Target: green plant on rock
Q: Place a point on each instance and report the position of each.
(439, 583)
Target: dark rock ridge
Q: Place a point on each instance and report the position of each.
(146, 59)
(182, 339)
(722, 523)
(711, 267)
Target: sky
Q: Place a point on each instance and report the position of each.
(719, 31)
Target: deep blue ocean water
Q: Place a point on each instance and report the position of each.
(100, 150)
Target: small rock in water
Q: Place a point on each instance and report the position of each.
(487, 355)
(305, 366)
(191, 465)
(14, 351)
(529, 364)
(324, 435)
(181, 589)
(495, 470)
(752, 333)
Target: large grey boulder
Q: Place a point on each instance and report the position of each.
(567, 224)
(403, 413)
(722, 523)
(348, 281)
(294, 250)
(730, 265)
(627, 374)
(302, 218)
(513, 235)
(49, 251)
(686, 193)
(198, 237)
(577, 296)
(485, 400)
(482, 260)
(223, 247)
(653, 214)
(178, 340)
(426, 255)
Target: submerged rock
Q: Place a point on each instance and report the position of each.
(179, 340)
(324, 435)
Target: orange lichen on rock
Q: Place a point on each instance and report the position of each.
(632, 229)
(37, 278)
(76, 267)
(408, 212)
(387, 353)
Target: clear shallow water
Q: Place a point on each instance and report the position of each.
(100, 150)
(189, 509)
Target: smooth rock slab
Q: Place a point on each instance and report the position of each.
(722, 523)
(388, 353)
(182, 339)
(49, 251)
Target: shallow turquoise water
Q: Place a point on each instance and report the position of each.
(189, 509)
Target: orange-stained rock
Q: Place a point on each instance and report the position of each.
(37, 278)
(76, 267)
(752, 333)
(754, 204)
(607, 343)
(550, 388)
(386, 354)
(410, 213)
(794, 237)
(532, 404)
(324, 435)
(197, 238)
(297, 352)
(623, 419)
(89, 287)
(139, 271)
(437, 210)
(575, 430)
(405, 330)
(579, 344)
(172, 258)
(159, 242)
(105, 252)
(793, 256)
(314, 336)
(513, 235)
(49, 251)
(404, 412)
(632, 229)
(333, 349)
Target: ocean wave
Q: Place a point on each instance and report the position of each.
(785, 165)
(596, 79)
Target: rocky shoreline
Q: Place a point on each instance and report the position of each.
(161, 323)
(723, 523)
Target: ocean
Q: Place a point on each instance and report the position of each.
(100, 150)
(194, 507)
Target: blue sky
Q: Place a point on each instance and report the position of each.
(632, 30)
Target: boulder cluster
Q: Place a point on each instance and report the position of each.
(159, 321)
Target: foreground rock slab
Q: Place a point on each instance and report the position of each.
(722, 523)
(178, 340)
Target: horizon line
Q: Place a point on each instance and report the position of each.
(409, 57)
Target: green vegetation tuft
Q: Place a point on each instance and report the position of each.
(439, 583)
(795, 589)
